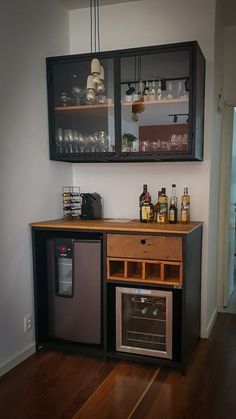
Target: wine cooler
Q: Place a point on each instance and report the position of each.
(144, 321)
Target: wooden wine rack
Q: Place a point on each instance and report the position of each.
(147, 271)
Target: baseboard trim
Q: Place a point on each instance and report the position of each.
(17, 359)
(206, 333)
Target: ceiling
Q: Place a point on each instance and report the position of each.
(228, 7)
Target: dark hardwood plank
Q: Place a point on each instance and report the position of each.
(119, 393)
(50, 385)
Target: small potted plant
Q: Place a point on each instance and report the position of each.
(127, 141)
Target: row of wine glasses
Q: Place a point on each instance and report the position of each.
(72, 141)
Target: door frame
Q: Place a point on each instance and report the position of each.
(224, 203)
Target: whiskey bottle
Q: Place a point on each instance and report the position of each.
(173, 211)
(142, 198)
(162, 215)
(185, 207)
(147, 210)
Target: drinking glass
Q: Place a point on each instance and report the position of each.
(169, 93)
(92, 141)
(174, 142)
(76, 143)
(59, 139)
(180, 89)
(76, 92)
(70, 140)
(81, 142)
(66, 141)
(103, 141)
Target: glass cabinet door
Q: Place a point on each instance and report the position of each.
(82, 108)
(155, 89)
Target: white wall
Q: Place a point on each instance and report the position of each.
(152, 22)
(30, 184)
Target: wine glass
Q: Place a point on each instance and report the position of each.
(66, 140)
(92, 140)
(76, 142)
(70, 140)
(81, 142)
(103, 141)
(59, 139)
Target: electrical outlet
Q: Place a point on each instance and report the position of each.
(27, 323)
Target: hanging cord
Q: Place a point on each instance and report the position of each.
(95, 25)
(98, 26)
(91, 25)
(95, 44)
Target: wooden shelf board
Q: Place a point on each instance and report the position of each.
(155, 102)
(84, 107)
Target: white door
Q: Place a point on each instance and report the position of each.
(226, 242)
(229, 285)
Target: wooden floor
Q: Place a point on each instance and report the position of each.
(53, 385)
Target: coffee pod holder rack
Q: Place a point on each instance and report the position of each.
(71, 202)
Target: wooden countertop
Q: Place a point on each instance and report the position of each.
(112, 224)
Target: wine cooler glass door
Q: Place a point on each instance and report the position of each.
(144, 322)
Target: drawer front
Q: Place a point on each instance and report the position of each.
(144, 247)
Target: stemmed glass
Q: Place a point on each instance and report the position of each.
(70, 140)
(103, 141)
(76, 142)
(92, 140)
(66, 140)
(81, 141)
(59, 139)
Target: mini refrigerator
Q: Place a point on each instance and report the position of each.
(74, 290)
(144, 321)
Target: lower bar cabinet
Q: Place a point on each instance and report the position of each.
(125, 294)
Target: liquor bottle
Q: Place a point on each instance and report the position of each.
(141, 198)
(185, 207)
(147, 209)
(157, 207)
(162, 215)
(173, 212)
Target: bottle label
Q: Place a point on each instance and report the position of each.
(172, 215)
(161, 217)
(145, 213)
(184, 215)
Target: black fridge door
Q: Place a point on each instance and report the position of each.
(74, 291)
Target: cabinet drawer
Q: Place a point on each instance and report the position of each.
(144, 247)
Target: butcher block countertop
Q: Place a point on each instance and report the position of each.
(113, 224)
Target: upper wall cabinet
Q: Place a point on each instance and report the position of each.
(142, 104)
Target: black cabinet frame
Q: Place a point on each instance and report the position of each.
(186, 300)
(196, 106)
